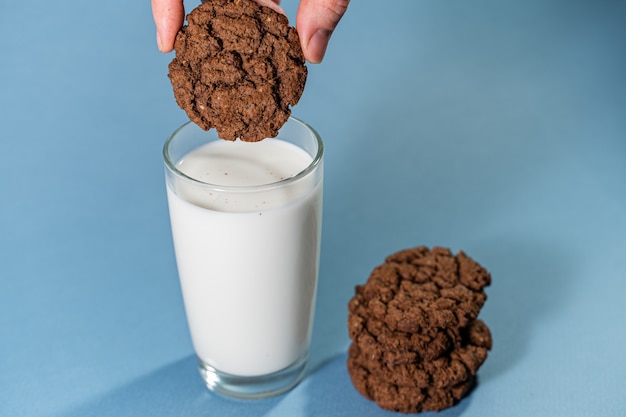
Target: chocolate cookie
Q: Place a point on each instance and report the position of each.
(424, 289)
(366, 329)
(416, 340)
(405, 399)
(451, 368)
(238, 68)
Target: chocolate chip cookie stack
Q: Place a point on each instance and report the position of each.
(416, 340)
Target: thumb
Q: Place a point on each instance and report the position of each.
(168, 18)
(316, 20)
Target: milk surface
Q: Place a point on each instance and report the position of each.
(247, 260)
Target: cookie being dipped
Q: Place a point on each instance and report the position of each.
(239, 68)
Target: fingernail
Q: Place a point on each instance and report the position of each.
(318, 44)
(159, 42)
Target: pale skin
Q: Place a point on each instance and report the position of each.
(315, 21)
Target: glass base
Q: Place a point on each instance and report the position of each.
(253, 387)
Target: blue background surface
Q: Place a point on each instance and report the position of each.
(493, 126)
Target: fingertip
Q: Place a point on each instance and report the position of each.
(315, 48)
(272, 4)
(169, 16)
(162, 45)
(316, 20)
(159, 42)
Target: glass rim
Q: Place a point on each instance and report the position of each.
(171, 166)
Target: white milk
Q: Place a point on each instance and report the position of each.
(247, 262)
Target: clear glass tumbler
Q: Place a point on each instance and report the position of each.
(246, 223)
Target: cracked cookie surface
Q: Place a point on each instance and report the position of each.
(418, 290)
(238, 68)
(416, 341)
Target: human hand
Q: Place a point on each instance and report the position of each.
(315, 21)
